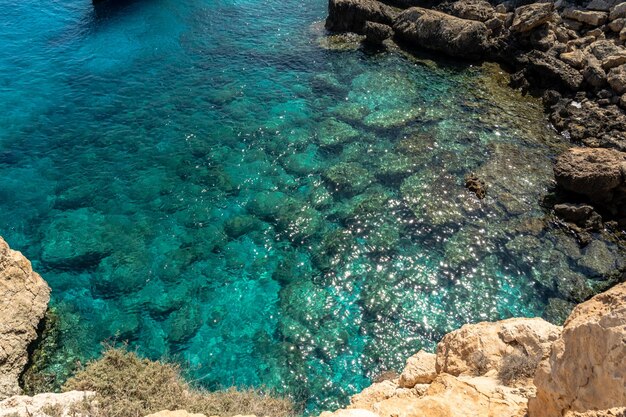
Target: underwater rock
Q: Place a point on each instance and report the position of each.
(476, 186)
(268, 204)
(558, 310)
(183, 324)
(586, 368)
(76, 239)
(598, 261)
(241, 225)
(24, 297)
(443, 33)
(349, 177)
(333, 132)
(581, 215)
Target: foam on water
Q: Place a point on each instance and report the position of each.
(205, 181)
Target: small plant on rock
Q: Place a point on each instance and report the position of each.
(517, 366)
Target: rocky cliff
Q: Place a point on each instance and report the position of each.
(24, 297)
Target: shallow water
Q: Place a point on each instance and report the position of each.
(209, 182)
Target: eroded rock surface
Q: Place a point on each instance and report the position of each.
(24, 297)
(44, 405)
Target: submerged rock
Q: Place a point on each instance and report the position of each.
(24, 297)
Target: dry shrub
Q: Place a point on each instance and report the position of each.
(517, 366)
(129, 386)
(479, 362)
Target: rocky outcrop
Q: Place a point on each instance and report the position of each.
(44, 405)
(441, 32)
(351, 15)
(586, 369)
(24, 297)
(581, 371)
(479, 349)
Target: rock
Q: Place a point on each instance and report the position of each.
(618, 12)
(476, 186)
(588, 17)
(479, 10)
(351, 15)
(376, 33)
(354, 412)
(441, 32)
(378, 392)
(552, 70)
(419, 369)
(581, 215)
(176, 413)
(449, 396)
(476, 349)
(531, 16)
(598, 261)
(349, 177)
(617, 25)
(594, 73)
(586, 369)
(593, 172)
(617, 79)
(41, 405)
(24, 297)
(575, 58)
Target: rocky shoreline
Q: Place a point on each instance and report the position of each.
(510, 368)
(572, 55)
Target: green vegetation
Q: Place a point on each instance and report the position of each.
(127, 385)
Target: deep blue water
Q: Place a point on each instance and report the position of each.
(208, 181)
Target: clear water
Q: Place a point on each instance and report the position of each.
(210, 182)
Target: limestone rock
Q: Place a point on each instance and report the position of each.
(351, 15)
(36, 406)
(618, 11)
(420, 369)
(531, 16)
(378, 392)
(353, 412)
(593, 172)
(588, 17)
(478, 349)
(553, 70)
(586, 369)
(617, 79)
(479, 10)
(24, 297)
(575, 58)
(441, 32)
(449, 396)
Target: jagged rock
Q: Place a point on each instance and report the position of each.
(594, 73)
(582, 215)
(532, 16)
(351, 15)
(550, 70)
(586, 369)
(477, 349)
(179, 413)
(593, 172)
(479, 10)
(613, 412)
(617, 79)
(376, 33)
(575, 58)
(24, 297)
(617, 25)
(618, 11)
(41, 405)
(419, 369)
(378, 392)
(441, 32)
(588, 17)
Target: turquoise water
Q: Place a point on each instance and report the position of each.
(216, 182)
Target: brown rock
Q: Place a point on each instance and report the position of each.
(586, 369)
(420, 369)
(351, 15)
(618, 11)
(531, 16)
(594, 73)
(24, 297)
(617, 79)
(617, 25)
(479, 10)
(575, 58)
(378, 392)
(588, 17)
(441, 32)
(478, 349)
(376, 33)
(36, 406)
(552, 70)
(593, 172)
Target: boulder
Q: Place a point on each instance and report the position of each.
(586, 368)
(419, 369)
(479, 10)
(441, 32)
(617, 79)
(619, 11)
(24, 297)
(575, 58)
(593, 172)
(552, 70)
(378, 392)
(351, 15)
(376, 33)
(478, 349)
(41, 405)
(588, 17)
(531, 16)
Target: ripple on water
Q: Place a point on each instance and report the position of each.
(206, 182)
